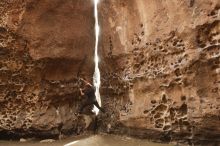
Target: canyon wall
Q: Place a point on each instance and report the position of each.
(45, 46)
(159, 61)
(161, 67)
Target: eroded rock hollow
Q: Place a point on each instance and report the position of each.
(45, 47)
(161, 68)
(160, 65)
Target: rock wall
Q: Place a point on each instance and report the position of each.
(160, 68)
(44, 47)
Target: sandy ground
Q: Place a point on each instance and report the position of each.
(95, 140)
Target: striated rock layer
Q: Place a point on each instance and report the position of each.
(44, 47)
(161, 68)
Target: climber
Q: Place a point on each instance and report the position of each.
(89, 93)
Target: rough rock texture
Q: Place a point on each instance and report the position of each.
(160, 65)
(161, 68)
(44, 47)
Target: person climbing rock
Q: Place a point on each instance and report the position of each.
(89, 93)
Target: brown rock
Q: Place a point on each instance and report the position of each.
(45, 47)
(167, 54)
(159, 67)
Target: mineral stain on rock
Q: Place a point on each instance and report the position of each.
(159, 68)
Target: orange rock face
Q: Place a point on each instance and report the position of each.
(45, 46)
(159, 67)
(160, 64)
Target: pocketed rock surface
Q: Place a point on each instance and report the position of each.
(159, 61)
(160, 68)
(45, 46)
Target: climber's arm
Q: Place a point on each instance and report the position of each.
(81, 92)
(86, 82)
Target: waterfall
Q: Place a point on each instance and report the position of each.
(96, 76)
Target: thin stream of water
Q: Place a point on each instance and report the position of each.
(96, 76)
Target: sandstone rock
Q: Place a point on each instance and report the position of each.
(44, 47)
(160, 68)
(22, 140)
(87, 120)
